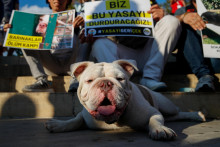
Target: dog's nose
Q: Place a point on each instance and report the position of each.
(106, 85)
(42, 25)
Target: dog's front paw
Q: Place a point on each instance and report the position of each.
(54, 126)
(162, 133)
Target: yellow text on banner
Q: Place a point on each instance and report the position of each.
(111, 22)
(30, 45)
(118, 14)
(117, 4)
(34, 39)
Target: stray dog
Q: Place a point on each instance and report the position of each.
(111, 101)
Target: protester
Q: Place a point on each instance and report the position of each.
(6, 8)
(192, 46)
(176, 4)
(53, 62)
(150, 53)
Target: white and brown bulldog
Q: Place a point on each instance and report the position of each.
(111, 101)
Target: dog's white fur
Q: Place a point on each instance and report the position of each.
(126, 104)
(42, 25)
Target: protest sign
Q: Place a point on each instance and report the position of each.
(118, 18)
(209, 10)
(40, 31)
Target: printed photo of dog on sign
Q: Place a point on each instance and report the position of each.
(62, 35)
(209, 10)
(42, 27)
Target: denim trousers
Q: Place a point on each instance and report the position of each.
(191, 47)
(151, 58)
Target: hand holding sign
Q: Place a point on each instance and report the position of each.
(89, 38)
(79, 21)
(194, 20)
(6, 27)
(157, 12)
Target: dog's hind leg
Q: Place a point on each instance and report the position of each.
(194, 116)
(55, 126)
(165, 106)
(171, 112)
(159, 101)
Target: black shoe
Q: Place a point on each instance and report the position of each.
(39, 86)
(205, 84)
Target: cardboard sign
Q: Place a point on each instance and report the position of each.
(118, 18)
(39, 31)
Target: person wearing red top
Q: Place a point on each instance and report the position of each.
(176, 4)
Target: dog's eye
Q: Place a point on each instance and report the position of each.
(119, 79)
(89, 81)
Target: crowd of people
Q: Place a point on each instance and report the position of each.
(179, 30)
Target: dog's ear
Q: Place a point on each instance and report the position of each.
(128, 65)
(78, 68)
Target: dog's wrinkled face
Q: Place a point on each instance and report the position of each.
(42, 25)
(104, 90)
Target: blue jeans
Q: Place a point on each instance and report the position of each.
(191, 48)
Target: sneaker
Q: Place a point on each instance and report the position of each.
(205, 84)
(153, 85)
(39, 86)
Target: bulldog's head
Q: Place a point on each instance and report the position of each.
(104, 88)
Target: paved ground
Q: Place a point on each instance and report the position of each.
(31, 133)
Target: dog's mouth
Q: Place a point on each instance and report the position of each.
(107, 111)
(106, 107)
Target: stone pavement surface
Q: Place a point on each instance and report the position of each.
(31, 133)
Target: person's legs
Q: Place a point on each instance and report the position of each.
(32, 57)
(80, 54)
(193, 53)
(36, 60)
(104, 50)
(82, 51)
(167, 32)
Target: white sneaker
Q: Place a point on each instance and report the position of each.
(153, 85)
(205, 84)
